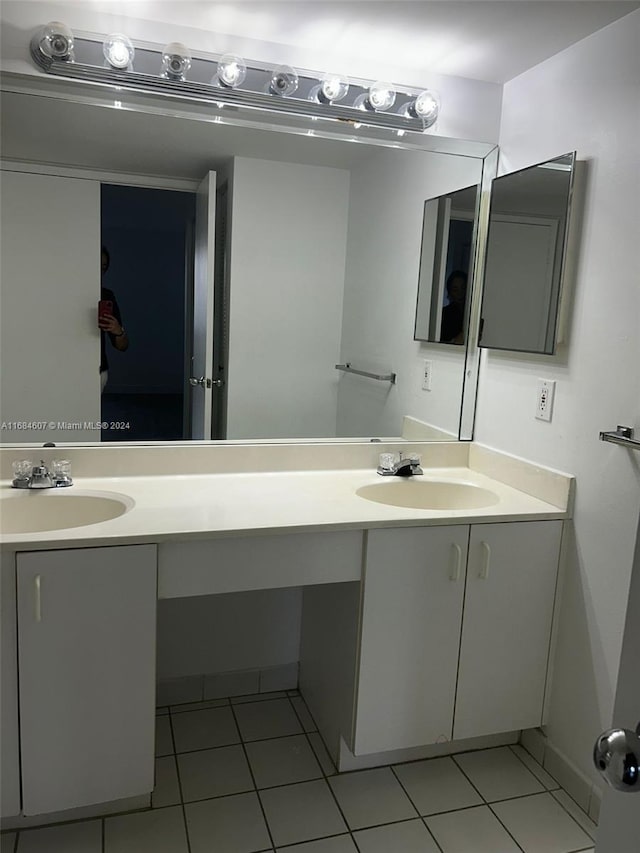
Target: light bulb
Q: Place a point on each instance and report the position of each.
(425, 106)
(56, 41)
(231, 71)
(284, 81)
(381, 96)
(333, 87)
(118, 51)
(176, 61)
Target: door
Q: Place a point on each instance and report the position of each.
(50, 281)
(203, 310)
(619, 827)
(506, 631)
(86, 658)
(411, 618)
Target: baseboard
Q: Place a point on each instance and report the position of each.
(586, 793)
(129, 804)
(348, 761)
(220, 685)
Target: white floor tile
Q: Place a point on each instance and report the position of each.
(538, 771)
(498, 774)
(199, 706)
(409, 837)
(474, 830)
(229, 825)
(576, 812)
(540, 825)
(337, 844)
(301, 812)
(158, 831)
(166, 791)
(328, 767)
(308, 723)
(214, 773)
(85, 837)
(7, 842)
(437, 785)
(282, 761)
(371, 797)
(259, 720)
(204, 729)
(164, 741)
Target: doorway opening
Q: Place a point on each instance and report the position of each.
(148, 234)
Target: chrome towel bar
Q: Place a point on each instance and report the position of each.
(382, 377)
(622, 435)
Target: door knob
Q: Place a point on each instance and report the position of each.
(204, 382)
(617, 757)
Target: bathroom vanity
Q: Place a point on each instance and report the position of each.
(419, 625)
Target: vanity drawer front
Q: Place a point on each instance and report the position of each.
(211, 566)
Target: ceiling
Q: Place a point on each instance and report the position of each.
(488, 40)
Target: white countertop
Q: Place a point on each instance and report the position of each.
(179, 507)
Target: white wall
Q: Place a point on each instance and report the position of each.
(388, 192)
(288, 237)
(585, 98)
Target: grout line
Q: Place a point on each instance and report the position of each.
(461, 769)
(182, 803)
(574, 819)
(253, 779)
(103, 835)
(422, 818)
(511, 745)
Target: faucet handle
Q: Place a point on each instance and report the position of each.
(61, 472)
(21, 473)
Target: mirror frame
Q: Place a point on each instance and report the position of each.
(102, 95)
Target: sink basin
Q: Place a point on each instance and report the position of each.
(416, 493)
(34, 511)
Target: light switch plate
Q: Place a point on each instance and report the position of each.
(426, 376)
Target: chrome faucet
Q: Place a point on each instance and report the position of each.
(409, 466)
(39, 476)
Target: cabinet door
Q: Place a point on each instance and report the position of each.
(411, 615)
(9, 737)
(86, 658)
(511, 582)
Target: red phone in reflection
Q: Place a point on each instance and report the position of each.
(105, 308)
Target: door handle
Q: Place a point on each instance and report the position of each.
(616, 756)
(217, 383)
(203, 381)
(483, 574)
(456, 562)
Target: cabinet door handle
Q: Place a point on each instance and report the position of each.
(456, 562)
(486, 559)
(38, 603)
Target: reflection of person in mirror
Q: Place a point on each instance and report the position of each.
(110, 323)
(452, 328)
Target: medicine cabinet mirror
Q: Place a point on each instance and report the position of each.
(313, 253)
(446, 267)
(525, 257)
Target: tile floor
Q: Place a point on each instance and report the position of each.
(251, 774)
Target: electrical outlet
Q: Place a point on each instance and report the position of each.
(544, 406)
(426, 376)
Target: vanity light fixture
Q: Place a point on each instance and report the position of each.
(118, 51)
(380, 98)
(229, 81)
(55, 41)
(231, 71)
(425, 106)
(176, 61)
(284, 81)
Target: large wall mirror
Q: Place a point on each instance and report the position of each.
(254, 260)
(525, 256)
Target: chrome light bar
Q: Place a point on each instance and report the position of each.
(84, 61)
